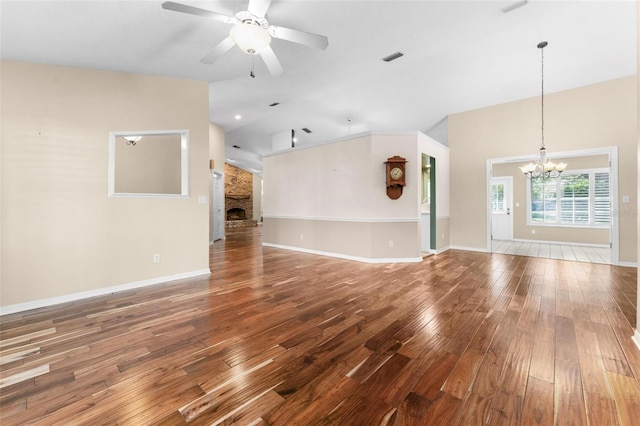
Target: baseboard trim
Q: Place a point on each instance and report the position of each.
(636, 338)
(43, 303)
(481, 250)
(627, 264)
(346, 219)
(346, 256)
(440, 250)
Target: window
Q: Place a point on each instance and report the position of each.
(497, 198)
(574, 204)
(155, 165)
(543, 200)
(577, 198)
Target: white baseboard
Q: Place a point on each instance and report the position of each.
(479, 249)
(346, 256)
(628, 264)
(440, 250)
(636, 339)
(42, 303)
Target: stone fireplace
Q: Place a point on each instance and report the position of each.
(236, 214)
(238, 199)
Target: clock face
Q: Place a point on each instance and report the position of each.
(396, 173)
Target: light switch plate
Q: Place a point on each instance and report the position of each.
(202, 199)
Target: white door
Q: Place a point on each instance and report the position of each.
(501, 208)
(218, 207)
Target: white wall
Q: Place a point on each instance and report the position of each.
(257, 197)
(332, 198)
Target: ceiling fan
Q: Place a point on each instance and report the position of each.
(251, 33)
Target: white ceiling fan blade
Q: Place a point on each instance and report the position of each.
(271, 61)
(178, 7)
(259, 7)
(222, 48)
(300, 37)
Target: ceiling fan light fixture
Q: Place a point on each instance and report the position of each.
(250, 37)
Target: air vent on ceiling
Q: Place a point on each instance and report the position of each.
(306, 130)
(236, 146)
(274, 104)
(514, 6)
(393, 56)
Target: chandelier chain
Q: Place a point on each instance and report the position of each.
(542, 168)
(542, 97)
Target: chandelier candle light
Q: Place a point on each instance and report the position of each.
(543, 168)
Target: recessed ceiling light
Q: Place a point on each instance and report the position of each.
(393, 56)
(238, 117)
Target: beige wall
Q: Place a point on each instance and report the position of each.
(637, 336)
(522, 231)
(216, 146)
(600, 115)
(366, 241)
(61, 234)
(151, 166)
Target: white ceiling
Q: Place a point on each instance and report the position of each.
(458, 55)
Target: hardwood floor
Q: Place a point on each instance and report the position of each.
(276, 337)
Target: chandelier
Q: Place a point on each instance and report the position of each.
(541, 167)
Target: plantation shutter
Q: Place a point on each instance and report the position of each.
(574, 203)
(602, 204)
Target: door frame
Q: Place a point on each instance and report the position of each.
(216, 175)
(611, 151)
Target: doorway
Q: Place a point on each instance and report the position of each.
(428, 205)
(217, 207)
(501, 208)
(571, 218)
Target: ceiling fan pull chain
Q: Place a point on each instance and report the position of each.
(253, 64)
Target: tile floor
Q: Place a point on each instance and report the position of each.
(554, 251)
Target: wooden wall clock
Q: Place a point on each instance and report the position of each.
(396, 176)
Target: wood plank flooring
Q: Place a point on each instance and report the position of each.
(553, 251)
(275, 337)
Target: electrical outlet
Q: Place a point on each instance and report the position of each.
(301, 237)
(391, 243)
(533, 231)
(156, 258)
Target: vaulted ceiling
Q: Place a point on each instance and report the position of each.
(458, 55)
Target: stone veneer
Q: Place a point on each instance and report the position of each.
(238, 194)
